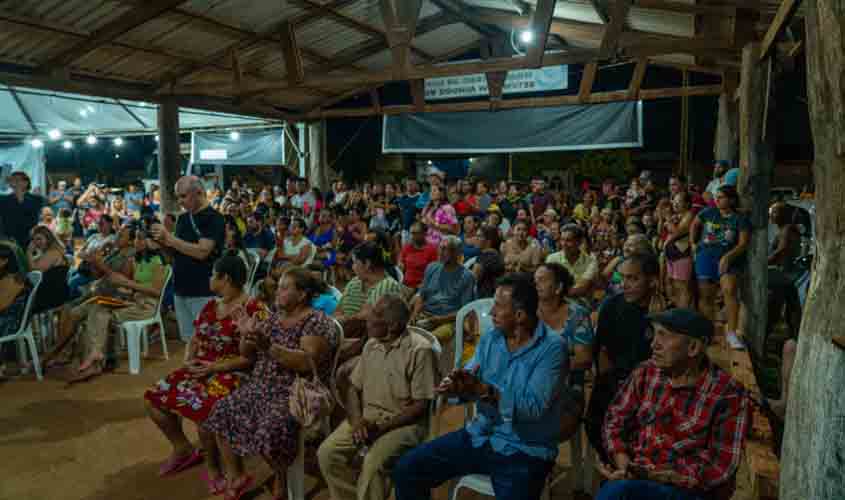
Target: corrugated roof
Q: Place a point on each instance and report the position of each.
(328, 37)
(368, 11)
(446, 39)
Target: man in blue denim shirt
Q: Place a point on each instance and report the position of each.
(517, 378)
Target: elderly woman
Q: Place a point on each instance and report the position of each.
(439, 216)
(521, 252)
(213, 369)
(255, 419)
(14, 290)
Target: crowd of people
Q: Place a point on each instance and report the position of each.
(618, 283)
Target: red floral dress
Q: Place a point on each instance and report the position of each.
(217, 340)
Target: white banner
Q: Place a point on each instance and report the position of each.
(517, 82)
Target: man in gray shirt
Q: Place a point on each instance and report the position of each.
(447, 286)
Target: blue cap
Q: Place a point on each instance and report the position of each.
(685, 322)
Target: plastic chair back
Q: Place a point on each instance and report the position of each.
(470, 262)
(337, 294)
(481, 308)
(255, 257)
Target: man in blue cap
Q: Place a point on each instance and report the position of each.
(676, 428)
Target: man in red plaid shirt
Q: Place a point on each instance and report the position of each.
(676, 428)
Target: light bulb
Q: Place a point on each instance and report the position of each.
(54, 134)
(91, 140)
(118, 141)
(67, 145)
(527, 36)
(235, 135)
(36, 143)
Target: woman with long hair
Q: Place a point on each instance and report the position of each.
(234, 242)
(45, 251)
(636, 243)
(14, 291)
(720, 236)
(213, 369)
(676, 250)
(255, 419)
(439, 216)
(521, 252)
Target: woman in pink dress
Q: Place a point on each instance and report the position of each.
(440, 217)
(213, 369)
(255, 419)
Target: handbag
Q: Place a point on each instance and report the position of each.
(677, 250)
(310, 401)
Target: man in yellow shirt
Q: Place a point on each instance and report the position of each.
(580, 264)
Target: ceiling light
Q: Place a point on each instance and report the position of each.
(36, 143)
(83, 113)
(471, 160)
(91, 140)
(156, 137)
(91, 109)
(527, 36)
(67, 145)
(235, 135)
(118, 141)
(54, 134)
(117, 155)
(430, 162)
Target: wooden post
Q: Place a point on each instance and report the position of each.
(169, 157)
(317, 168)
(813, 458)
(757, 164)
(725, 147)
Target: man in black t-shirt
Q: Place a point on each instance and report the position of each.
(198, 242)
(20, 210)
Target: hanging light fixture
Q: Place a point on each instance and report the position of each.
(36, 143)
(91, 139)
(118, 141)
(526, 37)
(67, 145)
(235, 135)
(54, 134)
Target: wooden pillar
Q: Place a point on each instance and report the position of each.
(757, 164)
(318, 175)
(169, 157)
(813, 458)
(726, 147)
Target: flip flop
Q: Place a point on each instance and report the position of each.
(93, 371)
(215, 486)
(242, 489)
(178, 464)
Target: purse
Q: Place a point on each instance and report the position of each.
(311, 402)
(677, 250)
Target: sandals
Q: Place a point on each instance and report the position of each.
(238, 492)
(92, 372)
(178, 464)
(215, 486)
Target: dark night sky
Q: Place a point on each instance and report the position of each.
(661, 122)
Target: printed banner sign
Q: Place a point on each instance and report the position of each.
(517, 82)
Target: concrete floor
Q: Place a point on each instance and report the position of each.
(93, 442)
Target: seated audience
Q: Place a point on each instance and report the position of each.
(521, 252)
(45, 251)
(213, 369)
(676, 428)
(234, 242)
(258, 237)
(392, 388)
(636, 243)
(298, 249)
(255, 418)
(514, 436)
(580, 264)
(98, 243)
(489, 265)
(439, 217)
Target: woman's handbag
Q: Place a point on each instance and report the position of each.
(310, 402)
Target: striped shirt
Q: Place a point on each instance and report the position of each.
(696, 431)
(355, 296)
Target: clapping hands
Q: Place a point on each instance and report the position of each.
(463, 384)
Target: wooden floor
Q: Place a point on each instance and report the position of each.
(93, 441)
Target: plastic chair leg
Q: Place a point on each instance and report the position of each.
(33, 349)
(163, 337)
(145, 341)
(133, 343)
(296, 474)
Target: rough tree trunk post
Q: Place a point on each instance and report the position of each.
(169, 157)
(756, 166)
(726, 136)
(813, 459)
(316, 158)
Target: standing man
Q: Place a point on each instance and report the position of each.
(199, 238)
(60, 198)
(134, 199)
(677, 426)
(517, 378)
(408, 207)
(20, 210)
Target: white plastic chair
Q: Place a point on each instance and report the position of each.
(296, 470)
(470, 262)
(136, 330)
(24, 334)
(481, 308)
(337, 294)
(253, 270)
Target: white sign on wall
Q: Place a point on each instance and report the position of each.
(214, 154)
(516, 82)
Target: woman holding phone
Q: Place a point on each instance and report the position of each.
(212, 370)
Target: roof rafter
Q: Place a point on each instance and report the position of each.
(541, 20)
(106, 34)
(601, 11)
(613, 29)
(786, 11)
(24, 111)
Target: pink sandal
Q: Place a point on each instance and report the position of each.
(178, 464)
(240, 490)
(215, 486)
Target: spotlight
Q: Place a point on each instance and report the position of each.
(67, 145)
(235, 135)
(91, 140)
(117, 156)
(54, 134)
(36, 143)
(157, 138)
(118, 141)
(527, 36)
(83, 113)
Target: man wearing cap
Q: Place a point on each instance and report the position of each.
(20, 209)
(676, 428)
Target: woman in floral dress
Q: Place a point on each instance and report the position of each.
(255, 419)
(212, 370)
(439, 216)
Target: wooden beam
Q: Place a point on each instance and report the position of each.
(491, 48)
(237, 72)
(400, 22)
(637, 79)
(782, 19)
(418, 94)
(374, 100)
(24, 111)
(587, 79)
(526, 102)
(601, 11)
(293, 57)
(541, 21)
(105, 34)
(466, 15)
(686, 8)
(613, 29)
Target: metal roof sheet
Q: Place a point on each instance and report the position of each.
(446, 39)
(328, 37)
